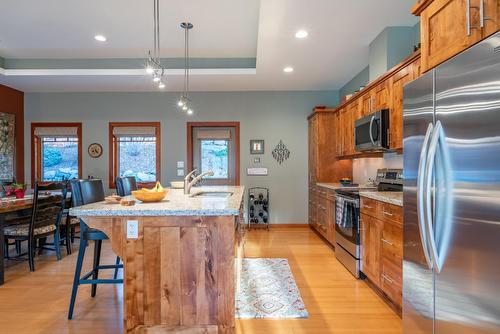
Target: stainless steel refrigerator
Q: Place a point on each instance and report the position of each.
(451, 254)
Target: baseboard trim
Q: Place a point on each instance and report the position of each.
(278, 226)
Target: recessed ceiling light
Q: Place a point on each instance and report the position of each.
(301, 34)
(288, 69)
(100, 38)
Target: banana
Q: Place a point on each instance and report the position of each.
(156, 188)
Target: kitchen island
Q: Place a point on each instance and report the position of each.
(179, 258)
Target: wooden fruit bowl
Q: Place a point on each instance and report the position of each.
(150, 196)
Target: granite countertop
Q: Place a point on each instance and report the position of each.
(174, 204)
(391, 197)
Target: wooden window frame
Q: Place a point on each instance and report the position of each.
(235, 125)
(113, 151)
(36, 147)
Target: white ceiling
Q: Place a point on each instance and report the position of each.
(336, 49)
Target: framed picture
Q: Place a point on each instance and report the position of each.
(256, 146)
(7, 147)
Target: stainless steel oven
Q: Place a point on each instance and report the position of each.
(347, 230)
(372, 132)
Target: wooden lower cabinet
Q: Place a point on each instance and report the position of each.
(371, 234)
(382, 247)
(321, 212)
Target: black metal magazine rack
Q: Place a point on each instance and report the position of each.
(258, 206)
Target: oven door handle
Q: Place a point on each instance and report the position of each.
(372, 119)
(348, 200)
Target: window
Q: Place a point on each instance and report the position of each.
(214, 157)
(56, 151)
(135, 151)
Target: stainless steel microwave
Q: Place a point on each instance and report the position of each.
(371, 133)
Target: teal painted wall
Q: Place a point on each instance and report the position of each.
(272, 116)
(361, 79)
(377, 57)
(416, 32)
(389, 48)
(400, 44)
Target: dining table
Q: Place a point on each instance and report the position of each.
(10, 206)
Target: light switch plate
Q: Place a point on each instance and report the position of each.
(257, 171)
(180, 164)
(132, 229)
(180, 172)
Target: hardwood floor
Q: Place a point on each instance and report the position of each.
(337, 303)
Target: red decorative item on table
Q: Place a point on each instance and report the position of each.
(18, 189)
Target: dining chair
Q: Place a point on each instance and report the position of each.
(69, 224)
(44, 220)
(86, 192)
(125, 185)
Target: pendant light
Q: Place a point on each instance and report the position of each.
(153, 64)
(184, 102)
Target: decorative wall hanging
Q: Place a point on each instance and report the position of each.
(7, 146)
(95, 150)
(256, 146)
(281, 152)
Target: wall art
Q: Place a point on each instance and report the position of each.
(281, 152)
(7, 146)
(256, 146)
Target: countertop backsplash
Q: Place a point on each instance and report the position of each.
(365, 168)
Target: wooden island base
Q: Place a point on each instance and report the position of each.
(179, 274)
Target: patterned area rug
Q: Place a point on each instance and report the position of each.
(268, 290)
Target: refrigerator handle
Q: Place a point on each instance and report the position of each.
(421, 176)
(436, 137)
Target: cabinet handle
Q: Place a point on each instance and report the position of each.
(467, 16)
(387, 278)
(483, 18)
(481, 14)
(468, 7)
(387, 242)
(367, 206)
(387, 213)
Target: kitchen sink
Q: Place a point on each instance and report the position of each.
(220, 194)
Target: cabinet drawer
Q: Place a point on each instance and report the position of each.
(370, 207)
(391, 212)
(392, 243)
(391, 281)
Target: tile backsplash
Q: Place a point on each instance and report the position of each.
(365, 168)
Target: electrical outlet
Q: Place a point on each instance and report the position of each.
(180, 164)
(180, 172)
(132, 229)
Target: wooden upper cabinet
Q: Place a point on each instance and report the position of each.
(397, 82)
(491, 17)
(366, 104)
(381, 96)
(313, 144)
(339, 133)
(348, 130)
(354, 112)
(447, 28)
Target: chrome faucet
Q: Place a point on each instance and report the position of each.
(187, 179)
(188, 184)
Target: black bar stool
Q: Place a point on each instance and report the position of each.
(85, 192)
(125, 185)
